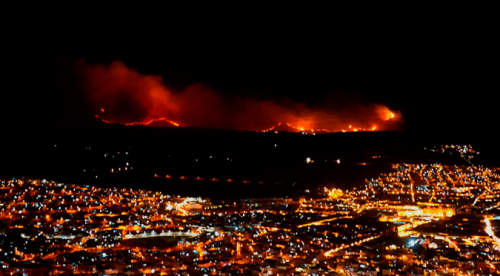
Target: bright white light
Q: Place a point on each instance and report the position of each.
(308, 159)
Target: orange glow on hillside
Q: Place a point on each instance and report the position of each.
(163, 119)
(385, 113)
(122, 95)
(292, 128)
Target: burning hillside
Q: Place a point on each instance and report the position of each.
(122, 95)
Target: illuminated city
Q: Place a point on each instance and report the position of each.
(419, 219)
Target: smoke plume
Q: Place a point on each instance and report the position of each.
(122, 95)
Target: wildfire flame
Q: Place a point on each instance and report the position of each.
(147, 123)
(163, 119)
(124, 96)
(318, 130)
(385, 113)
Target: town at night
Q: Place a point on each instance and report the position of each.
(416, 219)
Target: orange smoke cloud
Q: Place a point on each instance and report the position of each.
(386, 114)
(124, 96)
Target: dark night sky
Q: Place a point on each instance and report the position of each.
(438, 65)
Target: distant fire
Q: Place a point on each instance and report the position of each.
(292, 128)
(385, 113)
(122, 95)
(152, 121)
(147, 123)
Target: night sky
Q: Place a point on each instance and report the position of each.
(437, 65)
